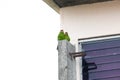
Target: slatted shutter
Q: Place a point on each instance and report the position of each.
(106, 54)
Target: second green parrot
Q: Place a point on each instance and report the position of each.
(67, 36)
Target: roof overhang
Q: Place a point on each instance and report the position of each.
(57, 4)
(52, 4)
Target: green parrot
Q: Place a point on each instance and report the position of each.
(61, 35)
(67, 36)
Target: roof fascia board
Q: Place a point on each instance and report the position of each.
(52, 4)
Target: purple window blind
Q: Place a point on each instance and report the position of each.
(106, 54)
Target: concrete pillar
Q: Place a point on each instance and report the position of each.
(66, 65)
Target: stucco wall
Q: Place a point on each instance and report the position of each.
(66, 65)
(91, 19)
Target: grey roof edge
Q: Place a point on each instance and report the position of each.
(52, 5)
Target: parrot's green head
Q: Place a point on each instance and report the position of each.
(61, 31)
(66, 33)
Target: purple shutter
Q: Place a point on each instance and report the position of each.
(106, 55)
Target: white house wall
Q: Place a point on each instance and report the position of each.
(91, 19)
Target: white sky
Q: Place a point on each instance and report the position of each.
(28, 40)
